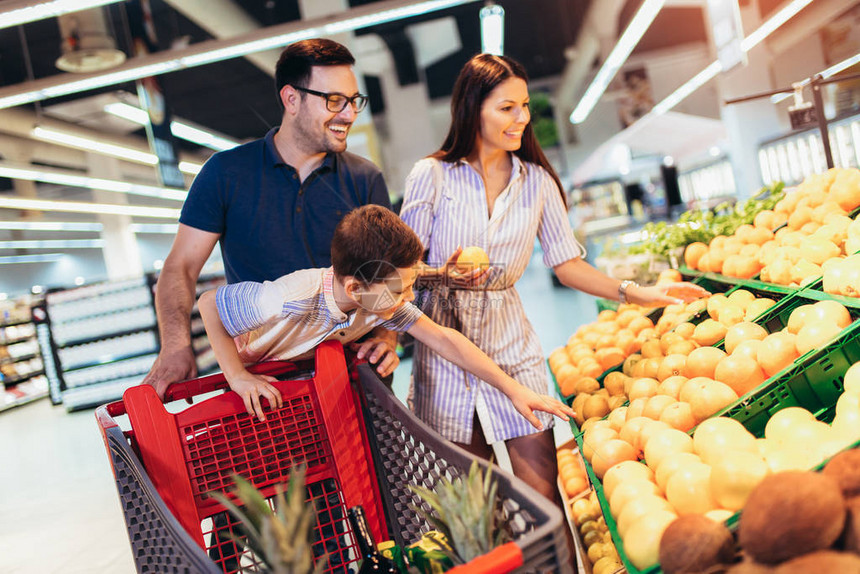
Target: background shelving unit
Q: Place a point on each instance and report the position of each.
(100, 339)
(97, 340)
(22, 378)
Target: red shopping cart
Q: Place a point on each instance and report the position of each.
(360, 446)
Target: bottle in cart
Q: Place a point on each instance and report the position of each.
(372, 559)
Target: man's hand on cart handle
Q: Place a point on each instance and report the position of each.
(526, 401)
(251, 388)
(171, 366)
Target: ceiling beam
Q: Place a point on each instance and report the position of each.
(212, 51)
(224, 19)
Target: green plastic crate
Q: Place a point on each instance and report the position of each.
(814, 381)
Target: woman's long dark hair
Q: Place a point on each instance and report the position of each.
(477, 79)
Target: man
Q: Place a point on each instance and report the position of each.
(273, 203)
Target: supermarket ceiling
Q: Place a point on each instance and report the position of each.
(236, 97)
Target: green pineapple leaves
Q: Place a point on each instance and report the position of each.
(282, 539)
(467, 512)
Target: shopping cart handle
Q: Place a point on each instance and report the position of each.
(504, 558)
(193, 387)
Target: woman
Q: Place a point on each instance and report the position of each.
(491, 186)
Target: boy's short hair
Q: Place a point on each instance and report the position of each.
(297, 59)
(371, 243)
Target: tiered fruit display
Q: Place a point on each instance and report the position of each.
(574, 480)
(794, 522)
(814, 238)
(606, 343)
(711, 473)
(594, 534)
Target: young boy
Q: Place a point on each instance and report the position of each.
(374, 258)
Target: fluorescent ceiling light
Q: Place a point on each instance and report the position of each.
(774, 22)
(40, 258)
(179, 129)
(80, 207)
(113, 150)
(31, 173)
(50, 226)
(88, 144)
(53, 244)
(212, 51)
(492, 29)
(16, 13)
(831, 71)
(631, 36)
(710, 72)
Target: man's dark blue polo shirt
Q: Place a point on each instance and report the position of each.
(270, 223)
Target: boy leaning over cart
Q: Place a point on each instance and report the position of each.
(374, 262)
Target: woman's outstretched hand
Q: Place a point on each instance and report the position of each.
(664, 294)
(526, 401)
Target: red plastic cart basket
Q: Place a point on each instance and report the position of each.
(360, 448)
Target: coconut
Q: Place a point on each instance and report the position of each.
(844, 468)
(693, 543)
(821, 561)
(789, 514)
(851, 535)
(749, 567)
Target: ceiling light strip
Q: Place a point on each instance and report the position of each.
(113, 150)
(61, 178)
(781, 17)
(30, 12)
(216, 50)
(80, 207)
(829, 72)
(180, 129)
(89, 144)
(38, 258)
(619, 54)
(50, 226)
(53, 244)
(710, 72)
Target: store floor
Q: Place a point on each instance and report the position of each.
(59, 510)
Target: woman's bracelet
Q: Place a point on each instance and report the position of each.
(622, 290)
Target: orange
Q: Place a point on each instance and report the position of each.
(685, 330)
(651, 349)
(591, 369)
(640, 323)
(710, 399)
(623, 318)
(718, 242)
(575, 484)
(739, 372)
(832, 312)
(743, 331)
(777, 351)
(667, 339)
(671, 387)
(693, 253)
(609, 357)
(681, 348)
(704, 263)
(702, 362)
(709, 332)
(472, 258)
(765, 219)
(614, 383)
(671, 366)
(815, 334)
(748, 348)
(651, 367)
(606, 315)
(716, 259)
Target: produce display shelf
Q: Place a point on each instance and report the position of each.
(715, 284)
(13, 360)
(813, 381)
(9, 342)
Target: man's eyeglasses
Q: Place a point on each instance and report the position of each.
(336, 103)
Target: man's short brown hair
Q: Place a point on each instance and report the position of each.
(371, 243)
